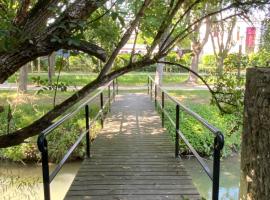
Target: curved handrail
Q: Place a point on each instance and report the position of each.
(212, 128)
(218, 141)
(43, 144)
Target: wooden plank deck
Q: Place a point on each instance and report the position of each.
(132, 158)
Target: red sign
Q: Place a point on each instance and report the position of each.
(250, 37)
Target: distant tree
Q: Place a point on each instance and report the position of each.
(221, 37)
(198, 40)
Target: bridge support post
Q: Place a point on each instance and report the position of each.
(151, 88)
(163, 105)
(113, 89)
(218, 145)
(116, 86)
(109, 96)
(155, 95)
(148, 82)
(45, 171)
(177, 112)
(101, 107)
(87, 131)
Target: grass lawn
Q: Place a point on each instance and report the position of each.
(200, 137)
(26, 108)
(130, 79)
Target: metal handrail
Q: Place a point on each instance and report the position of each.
(43, 144)
(218, 141)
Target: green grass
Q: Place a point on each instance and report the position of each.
(26, 108)
(130, 79)
(199, 136)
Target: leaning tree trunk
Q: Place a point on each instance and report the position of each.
(255, 154)
(23, 78)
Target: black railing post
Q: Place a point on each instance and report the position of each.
(113, 89)
(45, 170)
(151, 88)
(109, 96)
(101, 107)
(87, 131)
(116, 86)
(218, 145)
(155, 95)
(162, 112)
(177, 111)
(148, 81)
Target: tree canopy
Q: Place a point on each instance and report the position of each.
(34, 28)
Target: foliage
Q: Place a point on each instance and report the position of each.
(260, 59)
(209, 61)
(200, 137)
(59, 141)
(266, 35)
(232, 61)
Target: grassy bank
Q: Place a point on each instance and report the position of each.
(26, 108)
(200, 137)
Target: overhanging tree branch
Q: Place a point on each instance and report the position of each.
(86, 47)
(125, 38)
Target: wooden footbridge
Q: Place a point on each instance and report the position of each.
(132, 158)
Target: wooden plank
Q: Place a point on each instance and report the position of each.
(132, 159)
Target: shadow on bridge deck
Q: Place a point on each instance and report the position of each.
(132, 158)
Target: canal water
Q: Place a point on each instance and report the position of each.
(19, 181)
(229, 178)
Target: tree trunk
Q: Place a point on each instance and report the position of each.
(255, 154)
(194, 66)
(51, 67)
(23, 78)
(220, 63)
(159, 73)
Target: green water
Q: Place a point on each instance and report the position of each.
(18, 181)
(229, 178)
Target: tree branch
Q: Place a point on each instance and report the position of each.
(125, 38)
(86, 47)
(201, 78)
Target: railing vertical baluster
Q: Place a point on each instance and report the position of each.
(113, 89)
(116, 86)
(45, 171)
(155, 95)
(163, 105)
(218, 145)
(101, 107)
(109, 96)
(177, 111)
(151, 88)
(148, 81)
(87, 131)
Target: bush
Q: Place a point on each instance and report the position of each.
(260, 59)
(60, 140)
(232, 61)
(199, 136)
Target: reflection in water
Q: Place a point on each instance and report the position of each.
(229, 179)
(18, 181)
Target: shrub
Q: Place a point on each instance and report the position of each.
(199, 136)
(260, 59)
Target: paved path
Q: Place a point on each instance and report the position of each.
(132, 158)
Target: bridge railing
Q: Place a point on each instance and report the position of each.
(218, 142)
(111, 89)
